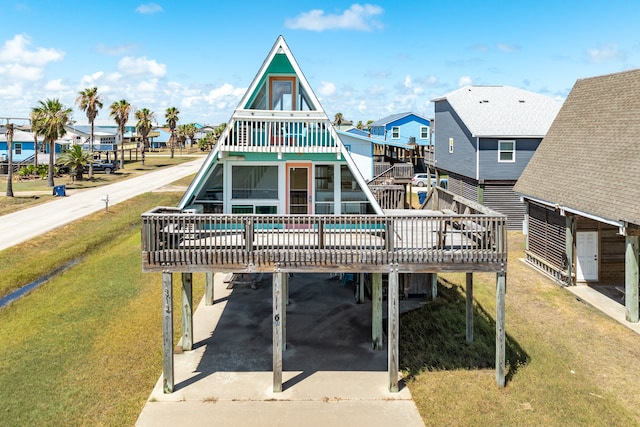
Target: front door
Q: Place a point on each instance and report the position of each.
(587, 256)
(298, 191)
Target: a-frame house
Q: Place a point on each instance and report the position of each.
(279, 193)
(279, 153)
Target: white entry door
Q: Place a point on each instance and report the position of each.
(587, 256)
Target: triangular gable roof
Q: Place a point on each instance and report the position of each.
(494, 111)
(589, 162)
(279, 47)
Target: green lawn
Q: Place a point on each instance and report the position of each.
(85, 347)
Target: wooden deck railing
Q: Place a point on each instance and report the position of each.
(415, 242)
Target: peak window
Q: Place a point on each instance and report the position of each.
(283, 93)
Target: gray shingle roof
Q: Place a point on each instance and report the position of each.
(503, 110)
(590, 159)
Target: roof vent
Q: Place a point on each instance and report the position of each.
(484, 101)
(521, 101)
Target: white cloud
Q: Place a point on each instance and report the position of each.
(17, 51)
(90, 80)
(56, 85)
(22, 72)
(149, 8)
(327, 88)
(357, 17)
(464, 81)
(147, 86)
(407, 81)
(137, 66)
(115, 50)
(607, 53)
(508, 48)
(11, 91)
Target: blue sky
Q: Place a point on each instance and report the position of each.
(365, 60)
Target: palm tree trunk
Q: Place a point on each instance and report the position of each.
(91, 149)
(122, 148)
(10, 171)
(50, 182)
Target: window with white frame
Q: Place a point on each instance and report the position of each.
(395, 132)
(506, 151)
(424, 132)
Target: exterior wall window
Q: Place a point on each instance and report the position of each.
(424, 132)
(395, 132)
(254, 182)
(325, 189)
(450, 145)
(506, 151)
(17, 147)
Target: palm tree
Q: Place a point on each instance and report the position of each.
(145, 119)
(190, 131)
(359, 125)
(76, 158)
(337, 121)
(171, 114)
(120, 113)
(90, 102)
(10, 149)
(51, 118)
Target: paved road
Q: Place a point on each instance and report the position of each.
(25, 224)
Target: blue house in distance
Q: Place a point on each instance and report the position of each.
(406, 136)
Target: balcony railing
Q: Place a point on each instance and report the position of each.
(280, 132)
(418, 241)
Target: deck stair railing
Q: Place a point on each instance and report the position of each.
(427, 241)
(398, 171)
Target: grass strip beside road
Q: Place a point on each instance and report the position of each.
(85, 347)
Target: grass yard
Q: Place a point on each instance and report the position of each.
(85, 347)
(568, 364)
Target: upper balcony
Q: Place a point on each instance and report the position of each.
(279, 132)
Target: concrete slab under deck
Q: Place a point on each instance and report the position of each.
(331, 374)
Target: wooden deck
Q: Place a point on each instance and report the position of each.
(415, 241)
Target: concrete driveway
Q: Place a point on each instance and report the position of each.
(331, 374)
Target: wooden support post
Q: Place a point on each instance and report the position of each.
(278, 328)
(469, 300)
(501, 286)
(187, 311)
(434, 286)
(360, 296)
(631, 275)
(570, 246)
(285, 293)
(208, 288)
(376, 311)
(393, 325)
(167, 332)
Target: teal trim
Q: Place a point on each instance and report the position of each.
(273, 157)
(279, 65)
